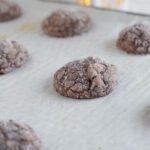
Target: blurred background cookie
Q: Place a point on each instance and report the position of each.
(63, 23)
(135, 39)
(18, 136)
(12, 55)
(9, 10)
(85, 79)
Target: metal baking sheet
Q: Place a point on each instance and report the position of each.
(119, 121)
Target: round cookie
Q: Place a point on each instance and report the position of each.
(9, 10)
(135, 39)
(63, 23)
(12, 55)
(85, 79)
(18, 136)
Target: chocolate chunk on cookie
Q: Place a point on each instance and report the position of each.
(12, 55)
(9, 10)
(63, 23)
(18, 136)
(135, 39)
(85, 79)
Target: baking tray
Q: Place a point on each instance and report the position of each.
(119, 121)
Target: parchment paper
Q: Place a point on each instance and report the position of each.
(120, 121)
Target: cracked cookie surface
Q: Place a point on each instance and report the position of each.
(85, 79)
(135, 39)
(12, 55)
(63, 23)
(9, 10)
(18, 136)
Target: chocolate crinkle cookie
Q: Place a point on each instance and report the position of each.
(135, 39)
(18, 136)
(85, 79)
(9, 10)
(63, 23)
(12, 55)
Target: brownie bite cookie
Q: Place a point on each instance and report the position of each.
(85, 79)
(12, 55)
(63, 23)
(135, 39)
(9, 10)
(18, 136)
